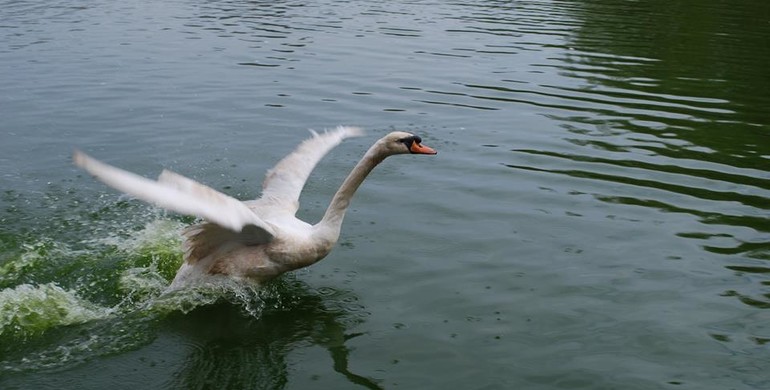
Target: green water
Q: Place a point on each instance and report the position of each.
(596, 218)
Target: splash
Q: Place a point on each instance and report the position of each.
(28, 259)
(63, 303)
(28, 310)
(153, 255)
(34, 258)
(156, 247)
(51, 285)
(48, 284)
(159, 234)
(250, 298)
(140, 284)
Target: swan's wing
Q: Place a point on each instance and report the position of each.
(177, 193)
(203, 239)
(283, 183)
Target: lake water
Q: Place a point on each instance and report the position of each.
(596, 218)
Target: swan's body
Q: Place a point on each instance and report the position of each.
(259, 239)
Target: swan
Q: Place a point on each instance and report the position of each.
(256, 240)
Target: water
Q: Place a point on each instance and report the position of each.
(597, 215)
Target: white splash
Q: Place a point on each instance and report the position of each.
(26, 309)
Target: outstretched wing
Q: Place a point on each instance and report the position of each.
(283, 183)
(178, 193)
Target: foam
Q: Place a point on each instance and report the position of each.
(27, 309)
(34, 257)
(156, 234)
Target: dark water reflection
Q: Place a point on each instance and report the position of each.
(666, 113)
(229, 351)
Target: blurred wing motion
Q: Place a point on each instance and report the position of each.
(180, 194)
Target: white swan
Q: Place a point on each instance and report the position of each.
(259, 239)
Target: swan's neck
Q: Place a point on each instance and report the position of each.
(332, 219)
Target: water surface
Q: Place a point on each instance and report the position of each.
(597, 215)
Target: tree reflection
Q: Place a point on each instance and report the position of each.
(703, 61)
(671, 92)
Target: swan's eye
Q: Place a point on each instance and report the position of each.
(408, 141)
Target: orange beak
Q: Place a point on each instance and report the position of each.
(418, 148)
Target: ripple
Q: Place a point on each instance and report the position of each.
(597, 156)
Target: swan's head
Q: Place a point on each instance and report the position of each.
(400, 142)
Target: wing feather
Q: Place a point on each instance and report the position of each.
(284, 182)
(177, 193)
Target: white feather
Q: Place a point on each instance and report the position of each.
(176, 193)
(258, 239)
(284, 182)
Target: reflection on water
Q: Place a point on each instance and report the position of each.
(228, 352)
(646, 102)
(689, 141)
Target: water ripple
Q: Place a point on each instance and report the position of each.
(594, 156)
